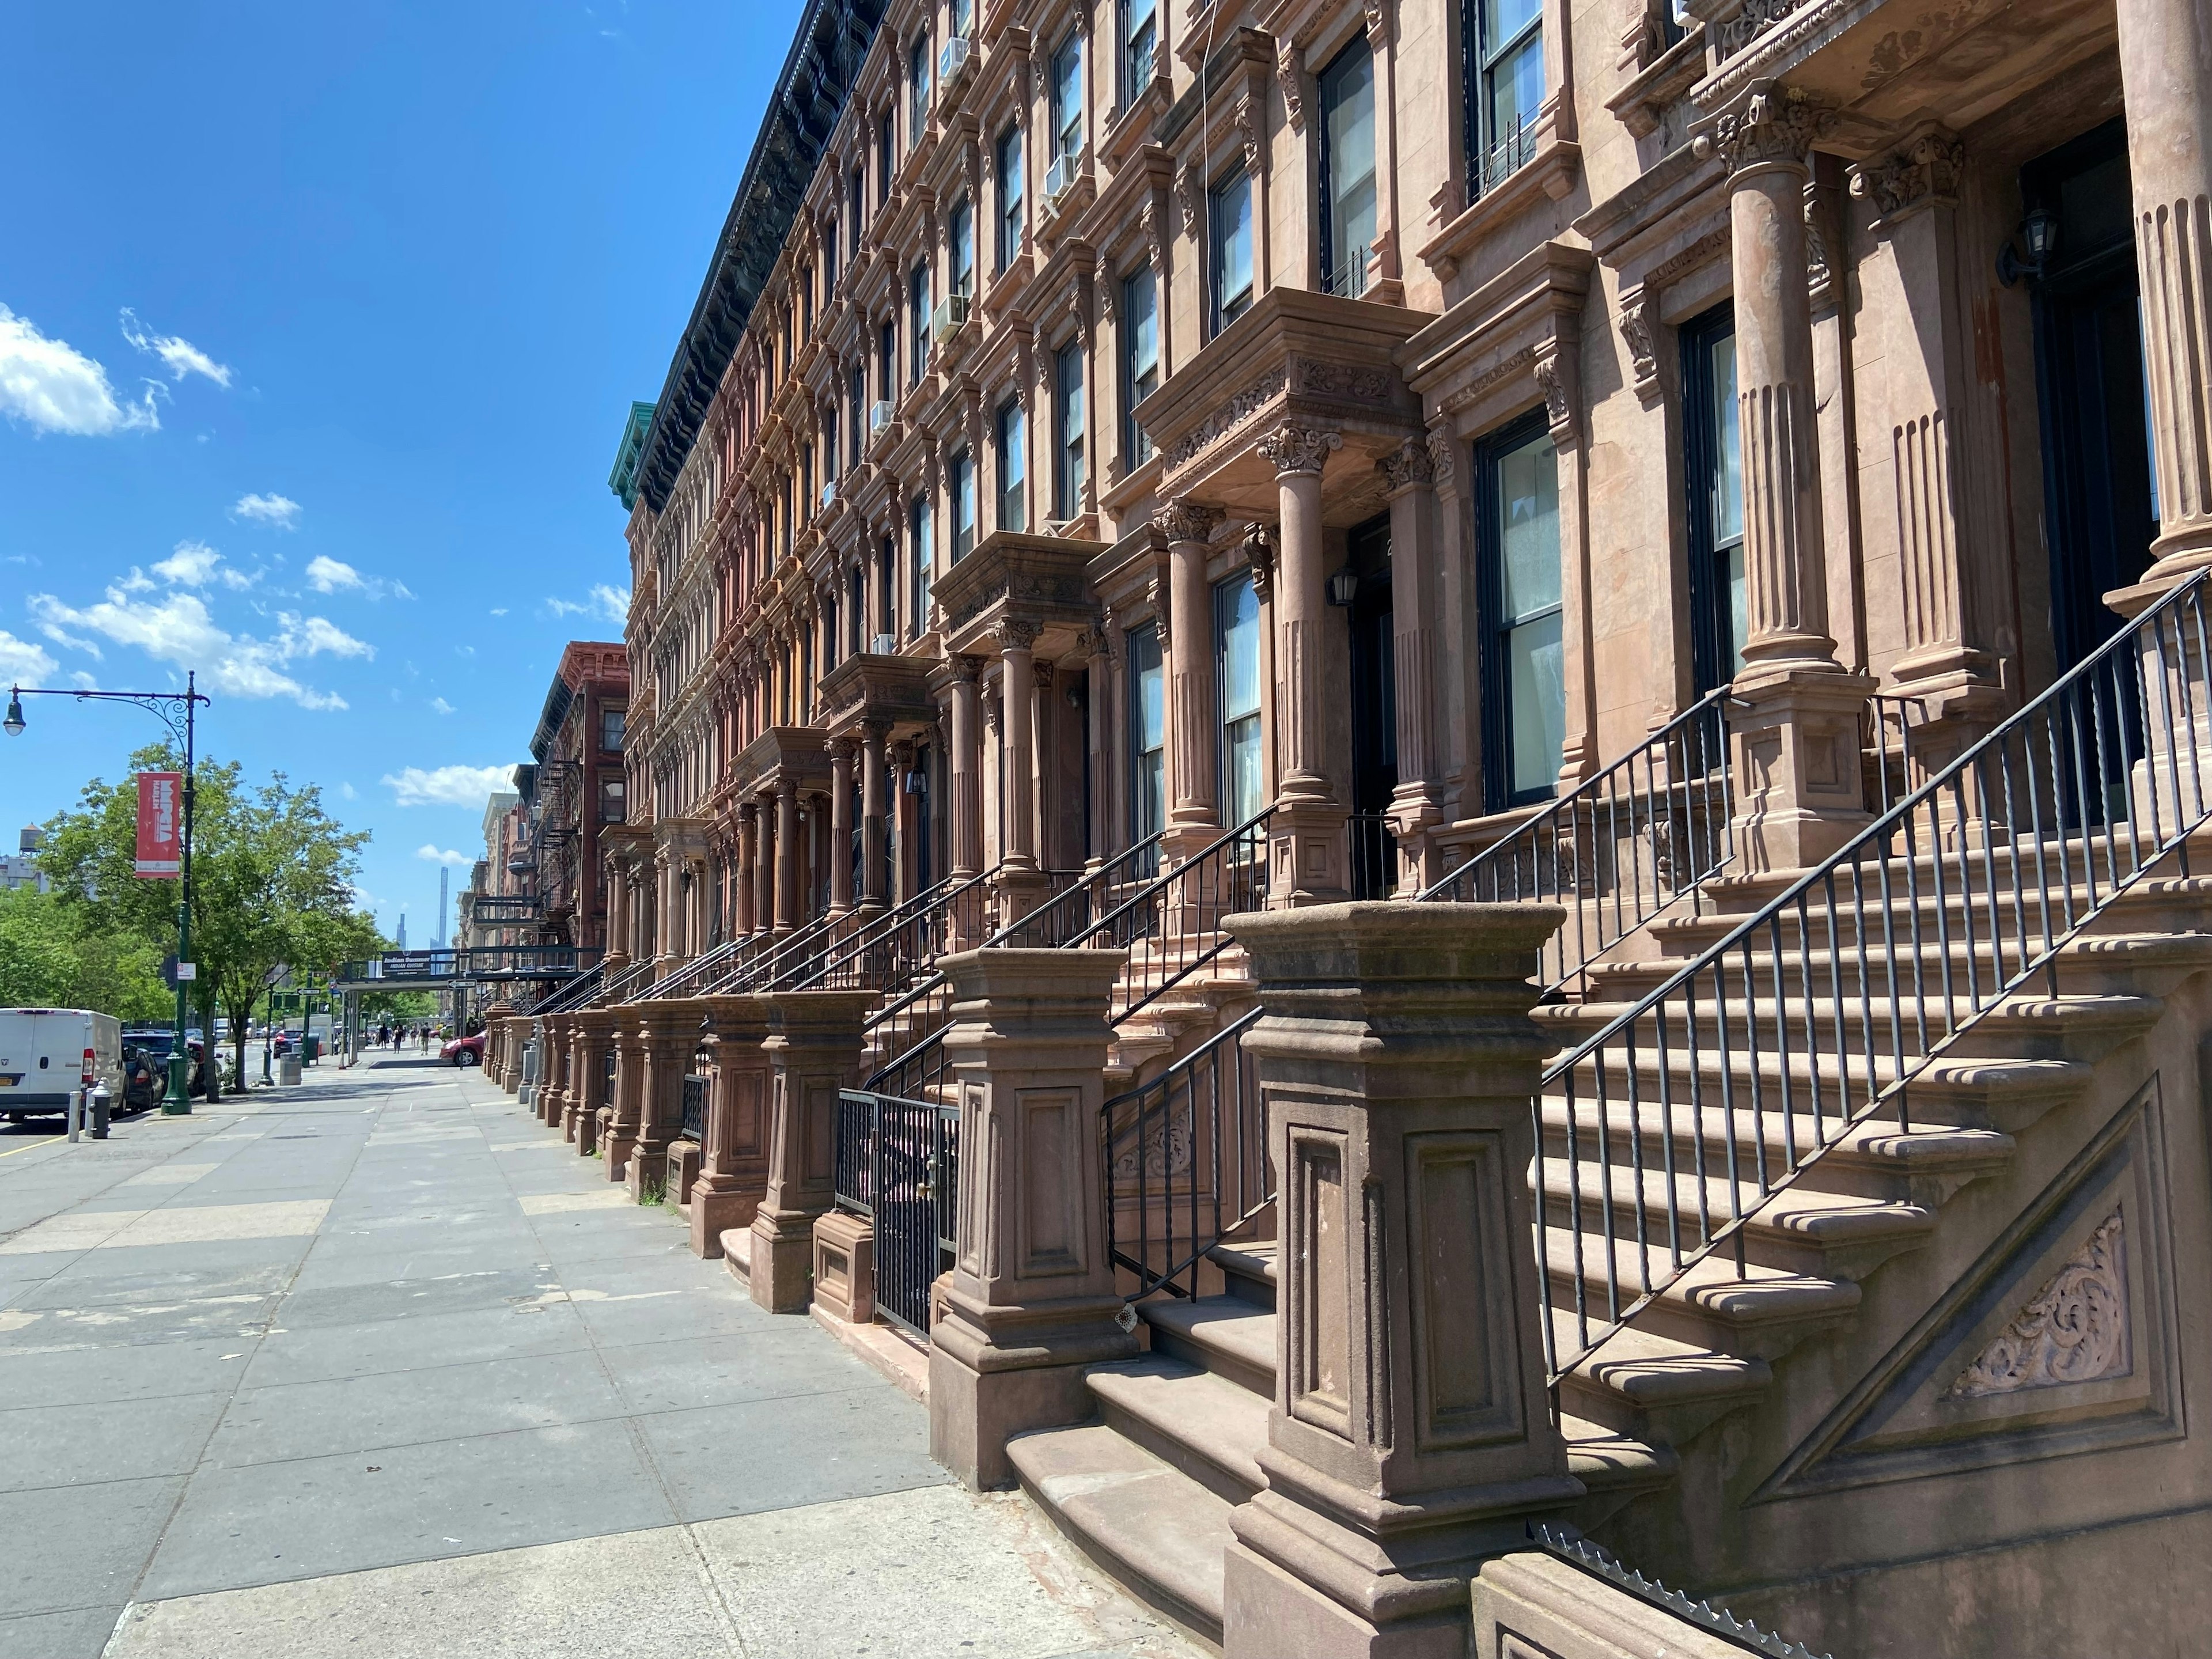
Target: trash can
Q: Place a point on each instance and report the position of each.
(288, 1070)
(99, 1104)
(314, 1041)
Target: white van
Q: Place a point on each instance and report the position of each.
(46, 1051)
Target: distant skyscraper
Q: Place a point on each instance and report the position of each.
(437, 932)
(402, 930)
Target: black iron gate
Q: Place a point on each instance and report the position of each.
(898, 1163)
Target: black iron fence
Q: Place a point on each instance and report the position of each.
(695, 1108)
(897, 1162)
(1374, 849)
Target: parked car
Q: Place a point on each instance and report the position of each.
(46, 1053)
(464, 1051)
(145, 1069)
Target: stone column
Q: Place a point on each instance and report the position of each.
(1099, 745)
(748, 863)
(1410, 1436)
(873, 806)
(1193, 715)
(813, 1046)
(670, 1033)
(1409, 478)
(618, 1135)
(1305, 838)
(2166, 76)
(765, 869)
(967, 767)
(734, 1163)
(1021, 882)
(789, 855)
(578, 1098)
(1798, 712)
(1032, 1300)
(840, 825)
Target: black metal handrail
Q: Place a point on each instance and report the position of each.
(707, 964)
(1627, 845)
(1185, 1161)
(576, 992)
(1090, 895)
(897, 1162)
(884, 952)
(1373, 846)
(760, 957)
(1815, 1013)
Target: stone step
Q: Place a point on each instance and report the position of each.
(1761, 1313)
(1248, 1266)
(1225, 1334)
(1210, 1428)
(1653, 1388)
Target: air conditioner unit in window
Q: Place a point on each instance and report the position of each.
(952, 62)
(1060, 178)
(1057, 526)
(883, 645)
(880, 414)
(829, 495)
(945, 322)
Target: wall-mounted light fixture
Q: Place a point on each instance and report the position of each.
(2040, 232)
(1344, 587)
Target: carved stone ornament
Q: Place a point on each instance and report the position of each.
(1753, 19)
(1551, 380)
(1232, 414)
(1776, 124)
(1290, 74)
(1370, 385)
(1409, 466)
(1183, 519)
(1440, 453)
(967, 669)
(1187, 196)
(1294, 449)
(1926, 170)
(1259, 549)
(1015, 633)
(2075, 1330)
(1636, 334)
(1251, 130)
(1378, 21)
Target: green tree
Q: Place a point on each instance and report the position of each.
(272, 882)
(49, 958)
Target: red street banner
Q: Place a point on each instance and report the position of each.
(161, 835)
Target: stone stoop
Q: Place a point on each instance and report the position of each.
(1146, 1489)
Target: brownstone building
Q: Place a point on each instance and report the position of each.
(1733, 482)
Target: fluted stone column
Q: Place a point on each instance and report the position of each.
(617, 957)
(2165, 76)
(967, 767)
(1021, 881)
(1306, 852)
(840, 825)
(1796, 724)
(745, 875)
(1032, 1300)
(813, 1047)
(874, 807)
(765, 869)
(1194, 715)
(789, 855)
(734, 1163)
(1409, 478)
(1410, 1436)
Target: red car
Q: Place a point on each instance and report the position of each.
(464, 1051)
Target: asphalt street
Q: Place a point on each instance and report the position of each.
(377, 1365)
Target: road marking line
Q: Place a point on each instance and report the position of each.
(32, 1147)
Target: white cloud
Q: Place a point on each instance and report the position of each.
(430, 851)
(329, 576)
(57, 388)
(347, 792)
(499, 610)
(180, 630)
(278, 512)
(20, 659)
(180, 357)
(447, 786)
(441, 705)
(609, 604)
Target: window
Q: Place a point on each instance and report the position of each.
(786, 514)
(857, 390)
(1524, 674)
(1013, 470)
(1347, 169)
(1067, 98)
(829, 632)
(886, 155)
(1236, 660)
(828, 259)
(1148, 735)
(963, 471)
(611, 730)
(807, 310)
(917, 88)
(918, 547)
(614, 806)
(960, 239)
(1067, 447)
(1505, 86)
(917, 323)
(1010, 196)
(1140, 359)
(856, 209)
(829, 444)
(1713, 451)
(887, 358)
(806, 482)
(963, 16)
(1140, 39)
(1230, 216)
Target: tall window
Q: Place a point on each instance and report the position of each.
(1067, 98)
(1524, 674)
(806, 482)
(1010, 196)
(1504, 84)
(1013, 468)
(917, 323)
(856, 209)
(857, 413)
(1236, 660)
(1068, 446)
(961, 239)
(828, 259)
(1140, 359)
(886, 154)
(1148, 735)
(1140, 39)
(917, 90)
(918, 549)
(1230, 216)
(963, 16)
(963, 471)
(1347, 168)
(887, 358)
(828, 446)
(611, 730)
(1713, 450)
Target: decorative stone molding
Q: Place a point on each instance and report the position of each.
(1259, 551)
(1183, 519)
(1231, 415)
(1291, 76)
(1187, 196)
(1775, 125)
(1014, 634)
(1326, 379)
(1409, 466)
(1555, 382)
(1635, 320)
(1294, 449)
(2075, 1330)
(1251, 128)
(1923, 171)
(967, 670)
(1440, 453)
(1474, 392)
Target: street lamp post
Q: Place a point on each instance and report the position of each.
(164, 706)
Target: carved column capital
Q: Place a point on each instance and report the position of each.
(1293, 449)
(1259, 551)
(967, 670)
(1773, 126)
(1183, 519)
(1290, 74)
(1409, 466)
(1924, 171)
(1635, 322)
(1014, 634)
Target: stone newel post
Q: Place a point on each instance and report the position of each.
(595, 1041)
(618, 1136)
(734, 1163)
(669, 1032)
(814, 1047)
(1410, 1436)
(1032, 1299)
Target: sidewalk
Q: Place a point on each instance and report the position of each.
(377, 1365)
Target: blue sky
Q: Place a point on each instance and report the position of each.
(317, 328)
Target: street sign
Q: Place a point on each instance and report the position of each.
(160, 839)
(187, 970)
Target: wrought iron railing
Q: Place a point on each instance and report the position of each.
(886, 951)
(1374, 848)
(1815, 1013)
(758, 958)
(1186, 1159)
(1890, 720)
(575, 992)
(1082, 899)
(1639, 838)
(690, 979)
(694, 1108)
(898, 1163)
